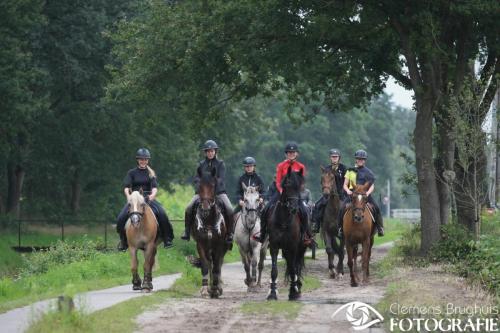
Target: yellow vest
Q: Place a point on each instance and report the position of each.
(351, 176)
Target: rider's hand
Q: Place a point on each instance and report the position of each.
(261, 200)
(151, 197)
(242, 203)
(349, 192)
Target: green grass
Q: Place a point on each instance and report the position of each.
(287, 309)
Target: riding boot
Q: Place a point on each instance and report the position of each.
(229, 218)
(187, 226)
(341, 222)
(379, 223)
(263, 225)
(123, 244)
(165, 235)
(317, 214)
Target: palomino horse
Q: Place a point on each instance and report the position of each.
(209, 232)
(329, 223)
(358, 229)
(284, 233)
(247, 226)
(141, 229)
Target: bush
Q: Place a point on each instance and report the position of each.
(62, 253)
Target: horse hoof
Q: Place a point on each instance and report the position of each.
(332, 274)
(215, 293)
(146, 290)
(204, 291)
(136, 287)
(272, 297)
(354, 284)
(246, 282)
(340, 276)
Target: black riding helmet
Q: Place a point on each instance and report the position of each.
(143, 153)
(361, 154)
(291, 146)
(249, 160)
(335, 152)
(210, 144)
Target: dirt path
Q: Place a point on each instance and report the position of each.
(224, 314)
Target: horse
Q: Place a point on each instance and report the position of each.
(284, 233)
(358, 229)
(209, 231)
(329, 223)
(252, 252)
(141, 229)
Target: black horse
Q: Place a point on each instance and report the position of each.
(285, 234)
(209, 232)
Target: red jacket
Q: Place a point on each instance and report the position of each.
(282, 170)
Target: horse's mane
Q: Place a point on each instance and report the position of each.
(297, 180)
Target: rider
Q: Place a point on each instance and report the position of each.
(210, 162)
(249, 178)
(339, 171)
(291, 152)
(359, 175)
(143, 177)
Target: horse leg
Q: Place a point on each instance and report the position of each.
(350, 263)
(366, 260)
(291, 267)
(340, 254)
(262, 258)
(253, 261)
(245, 262)
(204, 271)
(149, 253)
(369, 255)
(216, 290)
(329, 252)
(273, 294)
(136, 280)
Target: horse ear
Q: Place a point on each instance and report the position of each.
(244, 186)
(214, 172)
(289, 170)
(129, 191)
(141, 191)
(367, 186)
(322, 168)
(301, 172)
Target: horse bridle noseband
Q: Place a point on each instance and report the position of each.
(354, 209)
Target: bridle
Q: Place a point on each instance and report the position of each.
(355, 209)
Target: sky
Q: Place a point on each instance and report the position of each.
(400, 96)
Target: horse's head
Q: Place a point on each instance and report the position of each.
(359, 201)
(328, 184)
(136, 207)
(251, 199)
(292, 184)
(207, 191)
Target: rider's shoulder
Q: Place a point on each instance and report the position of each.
(132, 170)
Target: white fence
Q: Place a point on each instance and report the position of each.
(412, 214)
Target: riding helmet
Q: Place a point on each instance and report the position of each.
(291, 146)
(361, 154)
(335, 152)
(143, 153)
(249, 160)
(210, 144)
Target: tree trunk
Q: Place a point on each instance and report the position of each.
(444, 168)
(15, 175)
(427, 185)
(75, 192)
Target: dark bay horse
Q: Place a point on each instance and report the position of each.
(359, 229)
(209, 232)
(141, 230)
(329, 224)
(284, 234)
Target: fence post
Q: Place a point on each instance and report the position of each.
(19, 233)
(105, 234)
(62, 229)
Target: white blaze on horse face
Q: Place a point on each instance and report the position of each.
(360, 197)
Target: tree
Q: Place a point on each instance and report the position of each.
(341, 51)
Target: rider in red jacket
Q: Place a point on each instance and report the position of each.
(292, 152)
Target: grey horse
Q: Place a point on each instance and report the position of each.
(252, 252)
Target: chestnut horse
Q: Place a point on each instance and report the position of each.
(358, 229)
(141, 229)
(209, 232)
(329, 224)
(284, 233)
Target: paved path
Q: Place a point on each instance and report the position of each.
(18, 320)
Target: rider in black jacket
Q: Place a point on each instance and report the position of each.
(206, 166)
(143, 177)
(339, 170)
(249, 178)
